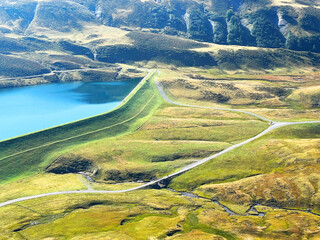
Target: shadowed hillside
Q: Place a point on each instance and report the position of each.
(291, 24)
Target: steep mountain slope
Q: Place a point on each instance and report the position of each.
(264, 23)
(178, 32)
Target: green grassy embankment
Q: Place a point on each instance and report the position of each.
(172, 138)
(292, 147)
(27, 155)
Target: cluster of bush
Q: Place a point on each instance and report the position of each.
(127, 54)
(306, 43)
(206, 26)
(193, 20)
(263, 34)
(148, 46)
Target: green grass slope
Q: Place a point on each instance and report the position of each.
(289, 146)
(32, 153)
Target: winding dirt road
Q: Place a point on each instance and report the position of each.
(273, 125)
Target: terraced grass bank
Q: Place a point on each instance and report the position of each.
(30, 154)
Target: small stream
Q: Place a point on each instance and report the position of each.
(251, 212)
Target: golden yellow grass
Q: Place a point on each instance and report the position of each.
(294, 184)
(147, 214)
(196, 235)
(113, 187)
(255, 93)
(223, 130)
(291, 3)
(306, 97)
(205, 93)
(287, 114)
(216, 47)
(104, 35)
(41, 183)
(210, 114)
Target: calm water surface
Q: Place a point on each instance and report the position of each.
(28, 109)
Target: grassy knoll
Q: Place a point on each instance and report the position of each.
(279, 155)
(172, 138)
(282, 96)
(307, 97)
(288, 114)
(17, 67)
(41, 183)
(125, 160)
(17, 161)
(230, 131)
(158, 214)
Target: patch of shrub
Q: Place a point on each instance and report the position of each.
(11, 45)
(266, 34)
(69, 164)
(235, 29)
(16, 67)
(159, 41)
(216, 97)
(177, 23)
(307, 43)
(260, 59)
(76, 49)
(310, 19)
(199, 26)
(125, 54)
(113, 175)
(220, 32)
(116, 175)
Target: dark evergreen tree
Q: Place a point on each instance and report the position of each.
(235, 31)
(177, 23)
(266, 34)
(159, 18)
(220, 33)
(292, 42)
(310, 23)
(200, 28)
(229, 14)
(309, 43)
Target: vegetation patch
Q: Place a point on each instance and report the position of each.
(70, 164)
(259, 157)
(127, 54)
(306, 98)
(17, 67)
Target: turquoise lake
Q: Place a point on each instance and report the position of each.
(29, 109)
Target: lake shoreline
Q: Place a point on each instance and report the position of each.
(35, 108)
(72, 75)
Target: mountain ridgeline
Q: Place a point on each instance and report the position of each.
(263, 23)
